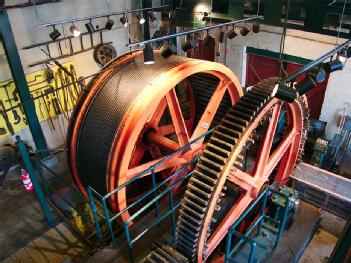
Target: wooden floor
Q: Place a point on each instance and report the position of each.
(56, 245)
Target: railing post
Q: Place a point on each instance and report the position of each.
(252, 251)
(264, 204)
(93, 210)
(30, 169)
(109, 223)
(228, 253)
(154, 190)
(129, 241)
(282, 222)
(171, 205)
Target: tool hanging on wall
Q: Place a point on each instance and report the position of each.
(73, 76)
(16, 117)
(6, 118)
(41, 95)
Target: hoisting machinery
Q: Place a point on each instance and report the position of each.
(132, 115)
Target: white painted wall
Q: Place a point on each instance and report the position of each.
(24, 22)
(301, 44)
(298, 43)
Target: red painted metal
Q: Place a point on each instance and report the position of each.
(148, 105)
(251, 182)
(140, 130)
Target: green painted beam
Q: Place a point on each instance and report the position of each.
(276, 55)
(146, 4)
(273, 12)
(20, 81)
(236, 9)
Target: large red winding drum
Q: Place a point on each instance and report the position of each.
(133, 115)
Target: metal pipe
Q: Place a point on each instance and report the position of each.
(316, 62)
(191, 31)
(67, 21)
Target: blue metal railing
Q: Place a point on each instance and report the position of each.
(43, 177)
(256, 225)
(158, 193)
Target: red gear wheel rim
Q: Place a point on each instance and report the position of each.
(285, 154)
(144, 111)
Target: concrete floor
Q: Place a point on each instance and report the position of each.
(22, 221)
(319, 248)
(21, 217)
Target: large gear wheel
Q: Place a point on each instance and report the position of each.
(220, 189)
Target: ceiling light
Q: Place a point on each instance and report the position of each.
(256, 27)
(148, 55)
(318, 74)
(141, 19)
(209, 41)
(307, 84)
(334, 65)
(343, 56)
(74, 30)
(231, 33)
(89, 26)
(109, 24)
(284, 92)
(312, 78)
(244, 31)
(124, 21)
(188, 45)
(168, 49)
(54, 34)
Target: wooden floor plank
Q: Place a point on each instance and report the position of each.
(23, 256)
(65, 244)
(36, 254)
(49, 249)
(65, 231)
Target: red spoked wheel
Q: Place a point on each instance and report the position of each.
(222, 187)
(147, 113)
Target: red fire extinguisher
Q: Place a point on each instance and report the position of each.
(26, 180)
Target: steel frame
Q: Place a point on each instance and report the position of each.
(20, 81)
(105, 213)
(256, 224)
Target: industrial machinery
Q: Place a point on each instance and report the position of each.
(132, 115)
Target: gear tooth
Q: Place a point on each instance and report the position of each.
(208, 171)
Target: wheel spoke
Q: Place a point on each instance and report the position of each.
(266, 145)
(169, 129)
(171, 162)
(156, 117)
(137, 156)
(177, 118)
(242, 179)
(280, 151)
(210, 111)
(222, 230)
(162, 142)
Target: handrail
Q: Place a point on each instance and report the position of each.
(150, 169)
(257, 224)
(109, 219)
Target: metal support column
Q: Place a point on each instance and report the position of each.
(36, 185)
(20, 81)
(146, 4)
